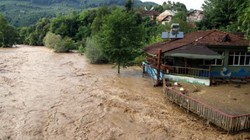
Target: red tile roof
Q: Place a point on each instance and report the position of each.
(208, 38)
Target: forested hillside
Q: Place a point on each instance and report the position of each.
(27, 12)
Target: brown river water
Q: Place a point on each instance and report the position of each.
(44, 95)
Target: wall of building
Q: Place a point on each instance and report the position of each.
(199, 81)
(230, 71)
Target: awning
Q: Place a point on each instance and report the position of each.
(194, 52)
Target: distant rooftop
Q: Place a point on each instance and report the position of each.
(166, 13)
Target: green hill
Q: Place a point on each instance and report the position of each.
(27, 12)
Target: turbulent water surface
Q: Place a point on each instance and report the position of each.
(44, 95)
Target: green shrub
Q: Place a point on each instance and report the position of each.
(81, 49)
(52, 40)
(58, 44)
(93, 52)
(65, 45)
(138, 60)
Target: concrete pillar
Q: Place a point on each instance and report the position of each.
(226, 57)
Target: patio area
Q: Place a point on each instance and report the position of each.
(225, 105)
(230, 98)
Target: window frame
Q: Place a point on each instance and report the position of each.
(239, 56)
(215, 60)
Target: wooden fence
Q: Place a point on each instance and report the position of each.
(187, 71)
(230, 123)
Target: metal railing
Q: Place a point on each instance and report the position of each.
(187, 71)
(230, 123)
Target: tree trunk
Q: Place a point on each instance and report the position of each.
(118, 68)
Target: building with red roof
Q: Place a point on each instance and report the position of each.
(204, 54)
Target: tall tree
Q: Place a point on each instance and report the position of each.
(244, 21)
(98, 21)
(37, 33)
(174, 6)
(8, 35)
(65, 25)
(129, 5)
(121, 38)
(221, 14)
(3, 24)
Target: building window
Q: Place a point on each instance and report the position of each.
(214, 62)
(217, 62)
(239, 59)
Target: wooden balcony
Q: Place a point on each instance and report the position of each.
(186, 71)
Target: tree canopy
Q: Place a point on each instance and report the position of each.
(229, 15)
(244, 21)
(175, 6)
(121, 38)
(8, 35)
(23, 13)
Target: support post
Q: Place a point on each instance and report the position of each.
(143, 69)
(185, 70)
(209, 75)
(158, 68)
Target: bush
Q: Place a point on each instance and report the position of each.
(93, 52)
(65, 45)
(81, 49)
(52, 40)
(81, 46)
(58, 44)
(138, 60)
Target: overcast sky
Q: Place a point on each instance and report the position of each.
(190, 4)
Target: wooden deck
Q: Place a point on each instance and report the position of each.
(230, 123)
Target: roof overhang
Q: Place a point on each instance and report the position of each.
(195, 56)
(194, 52)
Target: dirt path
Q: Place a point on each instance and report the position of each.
(44, 95)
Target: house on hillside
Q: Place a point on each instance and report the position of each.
(202, 56)
(195, 16)
(165, 17)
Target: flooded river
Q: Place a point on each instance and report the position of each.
(44, 95)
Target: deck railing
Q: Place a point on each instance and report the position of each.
(230, 123)
(187, 71)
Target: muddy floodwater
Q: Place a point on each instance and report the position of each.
(44, 95)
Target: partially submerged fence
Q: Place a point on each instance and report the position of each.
(230, 123)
